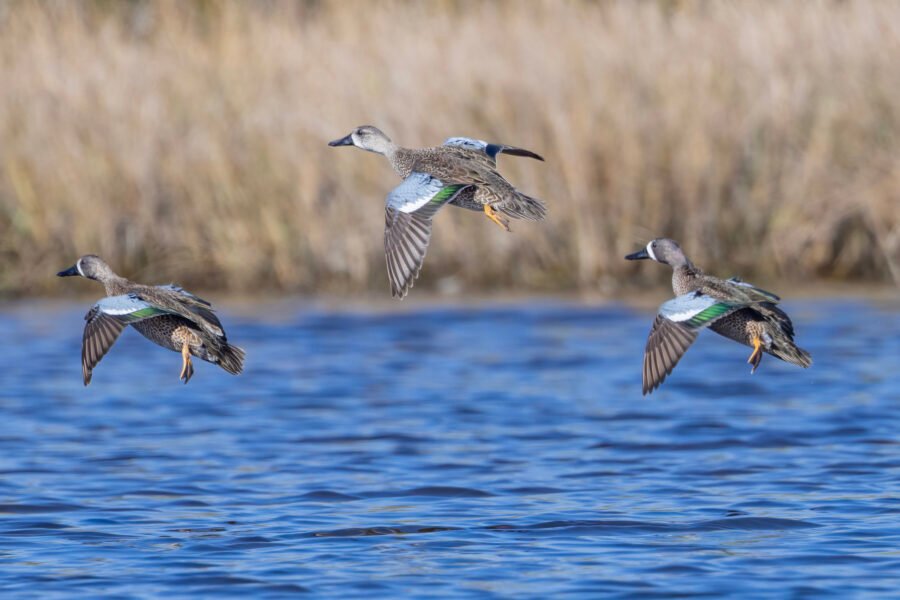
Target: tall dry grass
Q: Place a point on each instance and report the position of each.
(186, 140)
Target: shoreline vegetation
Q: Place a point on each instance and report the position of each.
(186, 141)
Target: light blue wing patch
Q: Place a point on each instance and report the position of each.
(407, 231)
(467, 143)
(419, 190)
(491, 150)
(128, 308)
(696, 310)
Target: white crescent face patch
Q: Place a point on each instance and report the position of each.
(650, 251)
(78, 268)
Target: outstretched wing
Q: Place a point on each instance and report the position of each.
(676, 327)
(409, 210)
(492, 150)
(105, 321)
(666, 344)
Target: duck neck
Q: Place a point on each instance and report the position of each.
(115, 285)
(684, 278)
(401, 159)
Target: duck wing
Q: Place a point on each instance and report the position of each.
(180, 290)
(198, 306)
(105, 321)
(493, 189)
(739, 289)
(174, 300)
(675, 328)
(763, 302)
(409, 210)
(492, 150)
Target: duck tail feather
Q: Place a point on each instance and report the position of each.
(524, 207)
(793, 354)
(231, 358)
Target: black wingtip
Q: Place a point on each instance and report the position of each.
(521, 152)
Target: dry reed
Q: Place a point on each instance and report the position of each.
(186, 140)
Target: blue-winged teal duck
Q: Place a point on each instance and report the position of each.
(164, 314)
(731, 308)
(462, 172)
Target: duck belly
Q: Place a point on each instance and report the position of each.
(466, 199)
(742, 326)
(170, 331)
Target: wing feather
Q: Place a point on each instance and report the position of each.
(697, 310)
(666, 344)
(100, 332)
(175, 300)
(105, 322)
(492, 150)
(128, 308)
(409, 211)
(180, 290)
(676, 327)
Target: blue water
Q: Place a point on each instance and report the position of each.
(451, 452)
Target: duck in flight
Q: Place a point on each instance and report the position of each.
(730, 307)
(164, 314)
(462, 172)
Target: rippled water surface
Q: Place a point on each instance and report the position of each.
(479, 452)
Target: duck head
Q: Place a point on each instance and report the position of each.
(367, 138)
(89, 266)
(662, 250)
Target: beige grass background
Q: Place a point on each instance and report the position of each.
(186, 140)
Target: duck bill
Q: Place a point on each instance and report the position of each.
(70, 272)
(641, 255)
(344, 141)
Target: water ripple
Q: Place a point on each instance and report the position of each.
(499, 451)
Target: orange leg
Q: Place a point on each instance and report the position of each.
(756, 356)
(493, 216)
(187, 368)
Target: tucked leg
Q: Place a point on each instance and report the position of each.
(187, 368)
(493, 216)
(756, 356)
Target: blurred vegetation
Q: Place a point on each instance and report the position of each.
(186, 141)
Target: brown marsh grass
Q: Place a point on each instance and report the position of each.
(186, 141)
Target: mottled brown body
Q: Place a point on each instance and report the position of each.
(172, 333)
(166, 315)
(742, 326)
(462, 172)
(765, 321)
(733, 309)
(456, 165)
(168, 331)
